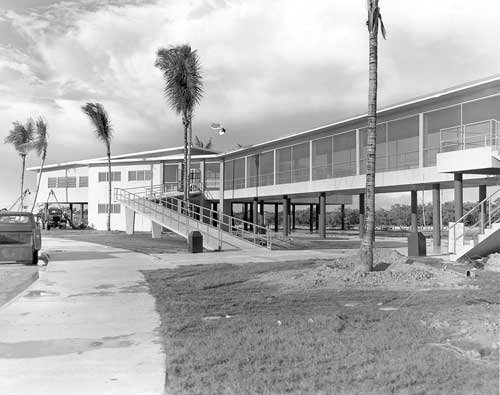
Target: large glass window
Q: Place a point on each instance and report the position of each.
(212, 175)
(433, 122)
(344, 154)
(300, 162)
(284, 165)
(252, 170)
(322, 158)
(239, 173)
(228, 175)
(402, 146)
(170, 172)
(481, 110)
(266, 168)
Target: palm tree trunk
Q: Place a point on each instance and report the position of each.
(184, 164)
(366, 250)
(109, 190)
(38, 183)
(190, 142)
(23, 157)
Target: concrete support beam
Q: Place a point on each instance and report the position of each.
(322, 215)
(245, 215)
(459, 195)
(311, 218)
(262, 221)
(129, 221)
(250, 217)
(436, 216)
(413, 215)
(482, 213)
(255, 211)
(276, 217)
(342, 216)
(155, 230)
(317, 217)
(286, 209)
(293, 216)
(361, 214)
(289, 216)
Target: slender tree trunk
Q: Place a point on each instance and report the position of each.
(190, 142)
(108, 225)
(23, 158)
(366, 250)
(185, 187)
(38, 184)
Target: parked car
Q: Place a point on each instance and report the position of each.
(20, 237)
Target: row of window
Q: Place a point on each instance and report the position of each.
(103, 208)
(83, 181)
(67, 182)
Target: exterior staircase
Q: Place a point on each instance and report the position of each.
(477, 233)
(220, 231)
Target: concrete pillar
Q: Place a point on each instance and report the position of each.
(276, 218)
(82, 209)
(482, 213)
(286, 210)
(413, 215)
(293, 216)
(289, 216)
(155, 230)
(311, 218)
(226, 210)
(245, 215)
(71, 212)
(436, 216)
(255, 211)
(261, 214)
(459, 195)
(322, 215)
(361, 214)
(342, 216)
(250, 216)
(129, 221)
(317, 217)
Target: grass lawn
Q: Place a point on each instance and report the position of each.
(321, 341)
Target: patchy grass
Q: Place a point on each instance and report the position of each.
(226, 333)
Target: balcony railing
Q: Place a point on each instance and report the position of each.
(471, 135)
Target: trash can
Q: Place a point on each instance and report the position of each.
(195, 242)
(416, 244)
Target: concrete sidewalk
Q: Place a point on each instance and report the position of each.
(87, 326)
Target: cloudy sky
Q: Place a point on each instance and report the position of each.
(270, 67)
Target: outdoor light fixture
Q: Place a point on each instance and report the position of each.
(218, 127)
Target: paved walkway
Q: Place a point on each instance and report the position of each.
(89, 325)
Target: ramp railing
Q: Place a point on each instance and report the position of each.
(188, 216)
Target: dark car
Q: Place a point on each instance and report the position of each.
(20, 237)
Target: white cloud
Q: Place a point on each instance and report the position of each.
(270, 68)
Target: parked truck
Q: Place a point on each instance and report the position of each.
(20, 237)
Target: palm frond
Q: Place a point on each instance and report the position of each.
(21, 136)
(40, 143)
(100, 120)
(182, 74)
(198, 142)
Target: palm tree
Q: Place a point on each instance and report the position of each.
(104, 132)
(21, 137)
(366, 249)
(183, 89)
(199, 143)
(40, 144)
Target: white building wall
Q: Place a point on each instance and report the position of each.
(99, 194)
(77, 194)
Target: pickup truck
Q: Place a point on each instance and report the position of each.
(20, 237)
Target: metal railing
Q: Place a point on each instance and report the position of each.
(480, 217)
(471, 135)
(190, 216)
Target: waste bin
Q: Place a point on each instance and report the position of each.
(195, 242)
(416, 244)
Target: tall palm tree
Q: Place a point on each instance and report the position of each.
(366, 250)
(21, 137)
(40, 144)
(104, 132)
(183, 89)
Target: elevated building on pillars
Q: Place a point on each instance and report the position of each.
(446, 140)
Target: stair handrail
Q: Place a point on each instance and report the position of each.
(259, 235)
(462, 218)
